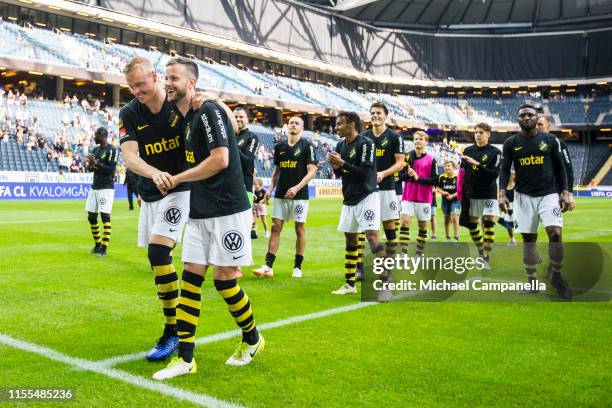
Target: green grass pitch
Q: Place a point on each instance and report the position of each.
(407, 354)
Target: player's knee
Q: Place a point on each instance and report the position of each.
(105, 217)
(92, 218)
(276, 228)
(554, 234)
(472, 226)
(159, 255)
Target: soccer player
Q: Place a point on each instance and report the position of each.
(217, 234)
(543, 126)
(389, 160)
(420, 175)
(481, 163)
(506, 219)
(153, 147)
(259, 207)
(354, 161)
(103, 162)
(131, 182)
(295, 164)
(434, 210)
(451, 207)
(248, 144)
(540, 173)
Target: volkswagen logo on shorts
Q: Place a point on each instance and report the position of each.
(489, 203)
(369, 215)
(426, 210)
(232, 241)
(102, 201)
(173, 215)
(393, 205)
(556, 212)
(299, 209)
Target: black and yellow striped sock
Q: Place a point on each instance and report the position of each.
(351, 256)
(188, 313)
(95, 232)
(167, 283)
(240, 308)
(391, 245)
(421, 239)
(397, 226)
(106, 234)
(476, 236)
(530, 270)
(361, 238)
(489, 237)
(404, 238)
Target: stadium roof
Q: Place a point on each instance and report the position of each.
(475, 15)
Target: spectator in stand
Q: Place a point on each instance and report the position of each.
(23, 99)
(74, 101)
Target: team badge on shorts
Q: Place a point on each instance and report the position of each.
(173, 215)
(102, 201)
(489, 204)
(556, 212)
(232, 241)
(426, 210)
(393, 206)
(369, 215)
(299, 209)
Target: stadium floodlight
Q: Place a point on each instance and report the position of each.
(345, 5)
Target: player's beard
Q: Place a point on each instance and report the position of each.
(179, 94)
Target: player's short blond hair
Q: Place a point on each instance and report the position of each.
(422, 134)
(138, 62)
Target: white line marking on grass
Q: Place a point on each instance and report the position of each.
(110, 362)
(61, 220)
(141, 382)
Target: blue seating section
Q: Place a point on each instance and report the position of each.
(64, 49)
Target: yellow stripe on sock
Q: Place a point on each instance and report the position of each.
(230, 292)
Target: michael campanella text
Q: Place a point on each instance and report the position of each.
(444, 285)
(459, 265)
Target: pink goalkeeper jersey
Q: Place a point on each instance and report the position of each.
(413, 190)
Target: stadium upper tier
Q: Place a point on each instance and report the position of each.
(77, 51)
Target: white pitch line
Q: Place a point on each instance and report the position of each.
(62, 220)
(141, 382)
(110, 362)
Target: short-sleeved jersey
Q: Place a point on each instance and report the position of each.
(387, 145)
(224, 193)
(359, 153)
(104, 175)
(481, 181)
(160, 142)
(538, 163)
(248, 144)
(258, 195)
(448, 184)
(292, 162)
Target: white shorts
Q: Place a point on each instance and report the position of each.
(219, 241)
(289, 210)
(363, 216)
(165, 217)
(421, 210)
(260, 208)
(483, 206)
(389, 208)
(530, 211)
(100, 201)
